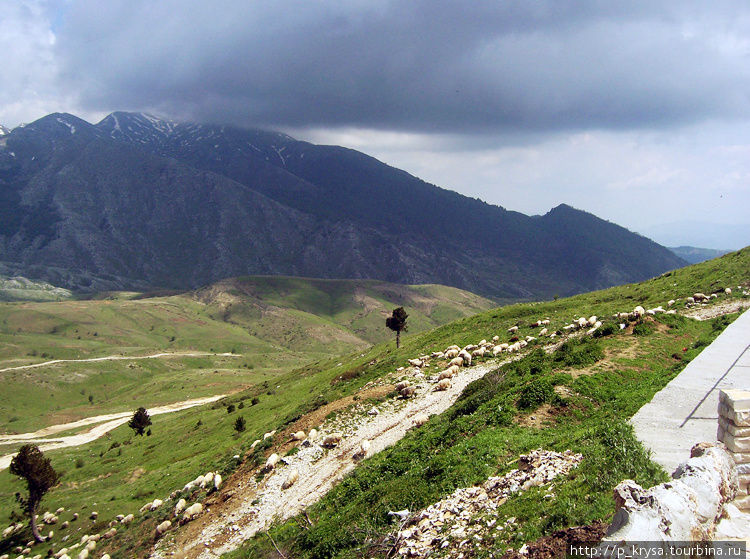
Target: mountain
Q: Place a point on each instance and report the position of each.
(694, 255)
(181, 205)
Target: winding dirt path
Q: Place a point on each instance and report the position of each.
(251, 507)
(121, 358)
(108, 422)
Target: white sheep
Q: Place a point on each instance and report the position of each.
(272, 461)
(444, 384)
(192, 511)
(364, 448)
(312, 435)
(421, 419)
(592, 320)
(728, 290)
(163, 527)
(83, 554)
(156, 504)
(269, 435)
(90, 545)
(256, 442)
(495, 339)
(671, 302)
(513, 329)
(543, 332)
(299, 436)
(127, 519)
(456, 361)
(291, 479)
(332, 439)
(416, 362)
(217, 482)
(401, 385)
(689, 300)
(700, 296)
(467, 358)
(179, 507)
(448, 373)
(479, 352)
(451, 353)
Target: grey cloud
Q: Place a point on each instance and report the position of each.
(420, 66)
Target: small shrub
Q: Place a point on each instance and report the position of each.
(80, 463)
(254, 401)
(606, 330)
(230, 408)
(241, 405)
(642, 329)
(536, 393)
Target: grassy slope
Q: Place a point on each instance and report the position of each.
(22, 289)
(274, 324)
(472, 440)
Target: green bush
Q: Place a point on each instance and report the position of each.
(536, 393)
(607, 330)
(643, 329)
(578, 353)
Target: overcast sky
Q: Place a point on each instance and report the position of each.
(635, 111)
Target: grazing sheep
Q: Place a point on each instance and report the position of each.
(700, 297)
(332, 439)
(110, 533)
(416, 362)
(269, 435)
(364, 448)
(543, 332)
(592, 320)
(83, 554)
(467, 358)
(689, 301)
(582, 322)
(448, 373)
(408, 392)
(256, 442)
(188, 487)
(163, 527)
(208, 479)
(522, 343)
(217, 482)
(401, 385)
(495, 339)
(312, 435)
(671, 302)
(421, 419)
(457, 361)
(513, 329)
(271, 462)
(478, 352)
(127, 519)
(191, 512)
(444, 384)
(94, 515)
(530, 339)
(290, 480)
(91, 545)
(105, 556)
(299, 436)
(64, 525)
(728, 290)
(179, 507)
(156, 504)
(498, 349)
(451, 353)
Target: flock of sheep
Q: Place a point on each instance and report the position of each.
(454, 359)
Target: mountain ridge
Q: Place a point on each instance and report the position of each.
(183, 204)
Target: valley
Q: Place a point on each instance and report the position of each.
(477, 429)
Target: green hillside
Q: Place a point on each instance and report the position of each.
(269, 324)
(18, 288)
(583, 393)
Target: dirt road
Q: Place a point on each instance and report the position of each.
(120, 358)
(107, 423)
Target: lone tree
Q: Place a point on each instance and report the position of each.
(31, 465)
(140, 421)
(397, 323)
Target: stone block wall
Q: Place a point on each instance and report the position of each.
(734, 432)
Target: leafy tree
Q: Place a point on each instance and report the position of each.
(31, 465)
(397, 323)
(239, 424)
(140, 421)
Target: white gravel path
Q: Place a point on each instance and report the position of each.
(319, 470)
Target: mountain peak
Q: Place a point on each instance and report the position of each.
(4, 131)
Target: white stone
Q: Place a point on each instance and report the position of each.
(738, 400)
(737, 444)
(732, 429)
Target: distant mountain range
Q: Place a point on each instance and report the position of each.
(694, 255)
(141, 201)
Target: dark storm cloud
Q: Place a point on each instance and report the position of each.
(419, 65)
